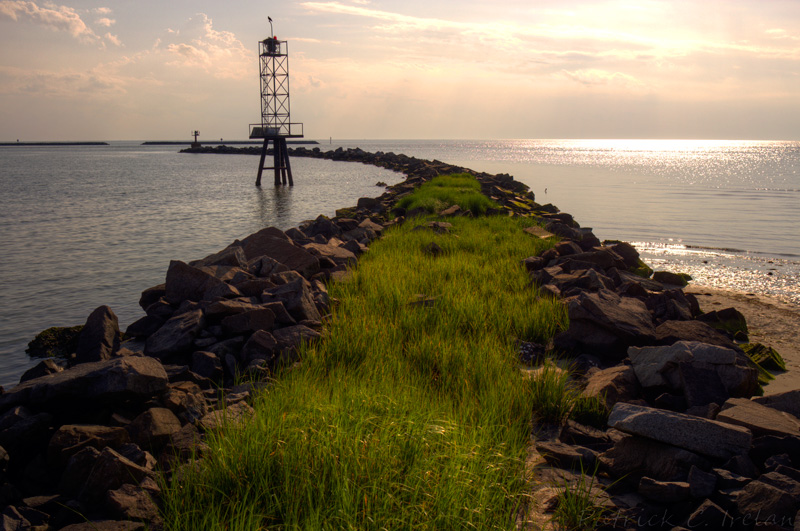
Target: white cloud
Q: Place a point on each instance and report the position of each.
(107, 22)
(219, 53)
(55, 17)
(113, 39)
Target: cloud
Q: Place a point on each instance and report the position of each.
(107, 22)
(200, 46)
(68, 84)
(55, 17)
(113, 39)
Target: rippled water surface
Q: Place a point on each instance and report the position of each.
(81, 227)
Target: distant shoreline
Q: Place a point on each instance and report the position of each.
(220, 142)
(5, 144)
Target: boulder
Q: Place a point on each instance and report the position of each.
(186, 401)
(709, 515)
(635, 457)
(297, 297)
(788, 402)
(616, 384)
(672, 279)
(145, 326)
(43, 368)
(185, 282)
(176, 335)
(153, 428)
(664, 491)
(132, 503)
(686, 367)
(224, 308)
(670, 332)
(185, 443)
(566, 456)
(275, 244)
(339, 255)
(126, 378)
(290, 337)
(69, 439)
(99, 339)
(759, 419)
(110, 471)
(247, 322)
(207, 365)
(151, 295)
(262, 345)
(703, 436)
(701, 483)
(759, 501)
(22, 430)
(624, 319)
(231, 256)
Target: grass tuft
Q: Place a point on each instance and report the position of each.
(444, 191)
(578, 506)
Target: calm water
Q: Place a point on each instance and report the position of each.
(81, 227)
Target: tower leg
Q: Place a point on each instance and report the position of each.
(261, 162)
(276, 160)
(288, 166)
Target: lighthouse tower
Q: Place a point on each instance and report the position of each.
(276, 125)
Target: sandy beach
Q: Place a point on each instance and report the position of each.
(769, 321)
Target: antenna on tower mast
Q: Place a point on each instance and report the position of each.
(271, 34)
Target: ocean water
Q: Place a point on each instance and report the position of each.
(81, 227)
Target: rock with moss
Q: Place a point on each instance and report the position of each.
(55, 342)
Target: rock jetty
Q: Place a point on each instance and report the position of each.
(87, 438)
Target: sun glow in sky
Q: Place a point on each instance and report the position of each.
(84, 70)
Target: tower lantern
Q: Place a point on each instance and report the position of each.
(276, 124)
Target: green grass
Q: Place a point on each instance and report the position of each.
(447, 190)
(578, 506)
(402, 416)
(555, 399)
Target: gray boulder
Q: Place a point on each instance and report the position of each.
(669, 332)
(69, 439)
(788, 402)
(616, 384)
(99, 339)
(176, 335)
(635, 457)
(703, 436)
(110, 471)
(153, 428)
(297, 297)
(129, 377)
(618, 322)
(185, 282)
(703, 373)
(275, 244)
(759, 419)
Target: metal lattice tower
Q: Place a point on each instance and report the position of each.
(276, 124)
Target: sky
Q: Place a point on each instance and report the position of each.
(403, 69)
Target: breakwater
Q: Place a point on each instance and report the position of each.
(86, 433)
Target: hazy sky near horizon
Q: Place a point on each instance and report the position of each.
(115, 70)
